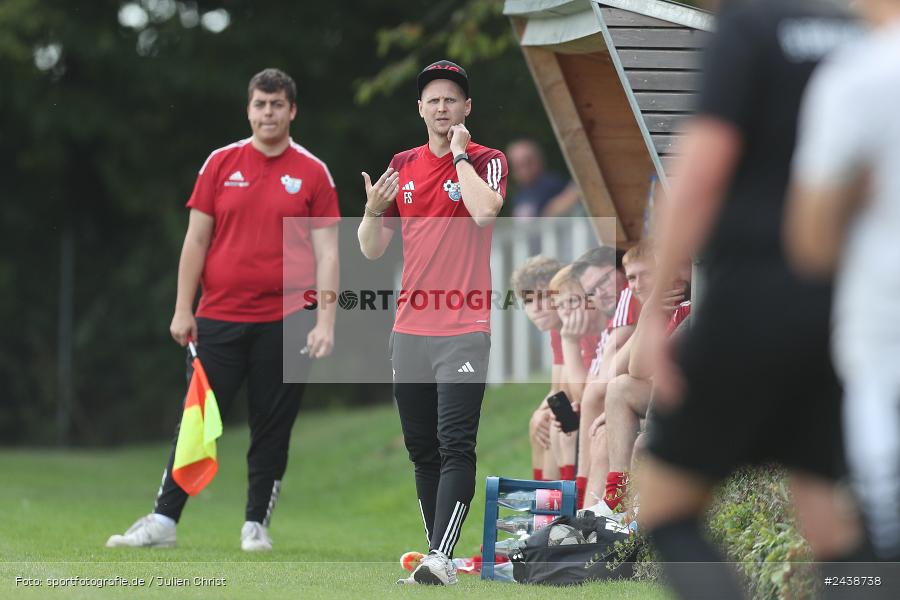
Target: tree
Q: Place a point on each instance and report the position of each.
(115, 107)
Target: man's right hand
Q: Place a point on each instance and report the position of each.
(575, 323)
(183, 327)
(383, 192)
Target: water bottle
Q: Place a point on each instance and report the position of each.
(504, 572)
(504, 548)
(523, 526)
(527, 501)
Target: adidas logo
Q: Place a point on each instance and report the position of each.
(466, 368)
(236, 179)
(409, 187)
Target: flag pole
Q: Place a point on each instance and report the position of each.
(192, 348)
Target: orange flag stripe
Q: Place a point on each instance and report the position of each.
(195, 462)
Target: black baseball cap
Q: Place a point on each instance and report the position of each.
(443, 69)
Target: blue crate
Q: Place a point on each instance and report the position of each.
(497, 485)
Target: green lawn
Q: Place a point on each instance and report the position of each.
(346, 513)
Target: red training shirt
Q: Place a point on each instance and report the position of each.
(556, 347)
(446, 282)
(628, 308)
(680, 314)
(249, 194)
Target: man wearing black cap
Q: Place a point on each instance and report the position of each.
(444, 195)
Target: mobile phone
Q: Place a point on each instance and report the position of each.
(562, 410)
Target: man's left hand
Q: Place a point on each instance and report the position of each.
(320, 341)
(459, 138)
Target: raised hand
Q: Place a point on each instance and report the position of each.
(383, 192)
(459, 137)
(575, 323)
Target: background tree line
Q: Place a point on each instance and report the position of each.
(107, 111)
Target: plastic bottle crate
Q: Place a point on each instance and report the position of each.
(497, 485)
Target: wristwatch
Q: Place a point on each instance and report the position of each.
(460, 157)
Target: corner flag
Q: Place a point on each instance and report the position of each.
(195, 462)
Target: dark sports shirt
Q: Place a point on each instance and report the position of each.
(755, 71)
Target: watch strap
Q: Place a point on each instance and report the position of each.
(464, 156)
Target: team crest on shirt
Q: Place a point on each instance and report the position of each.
(291, 184)
(452, 189)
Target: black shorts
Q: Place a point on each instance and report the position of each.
(760, 386)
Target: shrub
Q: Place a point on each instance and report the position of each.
(752, 520)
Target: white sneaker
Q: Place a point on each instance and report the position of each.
(147, 532)
(436, 569)
(255, 537)
(602, 509)
(407, 581)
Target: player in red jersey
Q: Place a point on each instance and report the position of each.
(234, 248)
(530, 282)
(445, 195)
(628, 394)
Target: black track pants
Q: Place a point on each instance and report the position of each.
(439, 386)
(232, 353)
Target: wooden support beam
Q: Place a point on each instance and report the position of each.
(570, 132)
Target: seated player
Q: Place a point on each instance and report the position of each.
(591, 286)
(531, 285)
(628, 394)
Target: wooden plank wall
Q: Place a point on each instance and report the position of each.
(573, 134)
(662, 64)
(613, 135)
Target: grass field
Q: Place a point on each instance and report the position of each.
(346, 513)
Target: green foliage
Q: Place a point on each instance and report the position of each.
(753, 520)
(467, 32)
(104, 145)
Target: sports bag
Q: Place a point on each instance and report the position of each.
(571, 559)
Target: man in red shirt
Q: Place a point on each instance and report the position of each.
(628, 394)
(243, 245)
(445, 195)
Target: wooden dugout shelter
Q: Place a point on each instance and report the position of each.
(617, 78)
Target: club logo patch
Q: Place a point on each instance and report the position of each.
(452, 189)
(291, 185)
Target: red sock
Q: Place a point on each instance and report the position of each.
(537, 474)
(580, 488)
(616, 488)
(567, 472)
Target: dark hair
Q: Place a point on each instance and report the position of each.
(271, 81)
(601, 256)
(535, 273)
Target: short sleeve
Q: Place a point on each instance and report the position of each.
(323, 204)
(203, 197)
(831, 147)
(732, 65)
(493, 171)
(627, 310)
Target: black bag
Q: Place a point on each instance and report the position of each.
(577, 563)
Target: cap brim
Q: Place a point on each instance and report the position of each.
(427, 77)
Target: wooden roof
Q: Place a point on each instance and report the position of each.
(617, 78)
